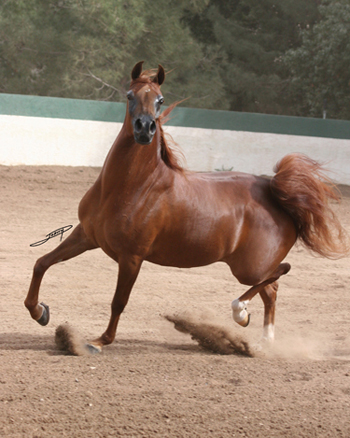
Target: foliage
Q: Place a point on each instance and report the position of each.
(86, 48)
(281, 57)
(252, 36)
(320, 67)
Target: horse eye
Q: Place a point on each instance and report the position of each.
(161, 100)
(130, 94)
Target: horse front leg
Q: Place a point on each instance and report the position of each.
(129, 269)
(75, 244)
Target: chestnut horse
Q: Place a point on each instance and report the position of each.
(145, 206)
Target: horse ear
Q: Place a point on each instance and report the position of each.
(160, 76)
(137, 70)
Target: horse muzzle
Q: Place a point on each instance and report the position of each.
(144, 129)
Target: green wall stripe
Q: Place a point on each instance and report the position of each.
(58, 108)
(251, 122)
(55, 107)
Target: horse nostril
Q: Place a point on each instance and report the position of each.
(138, 125)
(152, 127)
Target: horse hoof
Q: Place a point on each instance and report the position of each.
(239, 312)
(92, 349)
(245, 322)
(45, 317)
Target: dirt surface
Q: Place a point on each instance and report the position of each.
(154, 381)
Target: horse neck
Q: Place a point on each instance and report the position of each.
(130, 165)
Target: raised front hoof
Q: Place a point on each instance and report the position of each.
(92, 349)
(45, 317)
(245, 322)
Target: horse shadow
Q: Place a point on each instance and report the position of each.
(23, 341)
(32, 342)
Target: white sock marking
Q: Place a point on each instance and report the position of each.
(269, 332)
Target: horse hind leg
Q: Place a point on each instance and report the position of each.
(239, 305)
(76, 243)
(269, 295)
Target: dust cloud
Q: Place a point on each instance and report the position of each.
(68, 340)
(210, 334)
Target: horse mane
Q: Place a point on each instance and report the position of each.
(171, 153)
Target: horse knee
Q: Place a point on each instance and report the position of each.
(39, 268)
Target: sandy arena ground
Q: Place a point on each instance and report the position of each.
(154, 381)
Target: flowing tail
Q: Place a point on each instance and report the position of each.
(304, 191)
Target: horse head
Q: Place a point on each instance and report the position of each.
(144, 102)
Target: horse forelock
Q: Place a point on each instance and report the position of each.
(146, 77)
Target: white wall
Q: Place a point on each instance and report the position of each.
(63, 142)
(67, 142)
(257, 153)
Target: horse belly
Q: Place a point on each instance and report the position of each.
(195, 245)
(183, 257)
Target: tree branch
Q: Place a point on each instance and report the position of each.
(100, 80)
